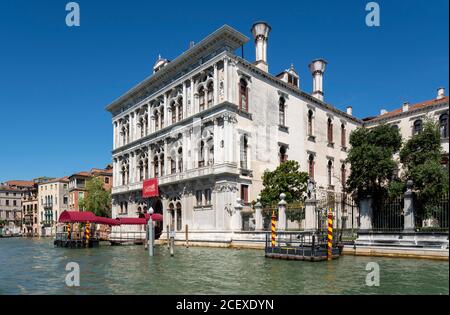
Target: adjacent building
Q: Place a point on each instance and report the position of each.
(77, 184)
(53, 198)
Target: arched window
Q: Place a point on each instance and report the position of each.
(210, 96)
(443, 125)
(330, 172)
(343, 176)
(141, 171)
(281, 111)
(162, 118)
(179, 217)
(243, 95)
(311, 166)
(180, 160)
(173, 166)
(155, 114)
(310, 123)
(201, 99)
(330, 131)
(172, 216)
(146, 169)
(174, 113)
(417, 127)
(211, 155)
(244, 148)
(180, 109)
(142, 125)
(201, 154)
(162, 172)
(283, 155)
(156, 166)
(343, 136)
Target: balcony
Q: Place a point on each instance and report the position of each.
(225, 168)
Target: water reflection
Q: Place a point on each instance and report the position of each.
(34, 266)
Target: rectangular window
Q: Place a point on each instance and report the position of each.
(7, 202)
(198, 196)
(14, 203)
(244, 193)
(207, 196)
(106, 180)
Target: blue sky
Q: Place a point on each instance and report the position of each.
(55, 81)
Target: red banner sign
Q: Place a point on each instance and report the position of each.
(150, 188)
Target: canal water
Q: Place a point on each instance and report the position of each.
(34, 266)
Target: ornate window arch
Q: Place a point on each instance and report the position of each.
(417, 126)
(443, 125)
(282, 111)
(243, 95)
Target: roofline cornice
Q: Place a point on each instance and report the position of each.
(294, 90)
(381, 120)
(226, 33)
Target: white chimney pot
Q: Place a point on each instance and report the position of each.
(317, 68)
(350, 110)
(260, 31)
(383, 111)
(405, 107)
(440, 93)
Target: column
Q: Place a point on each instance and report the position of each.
(217, 149)
(225, 78)
(192, 107)
(282, 213)
(259, 223)
(114, 135)
(310, 214)
(408, 207)
(185, 113)
(149, 120)
(166, 158)
(166, 116)
(216, 85)
(226, 141)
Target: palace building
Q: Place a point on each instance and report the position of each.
(207, 125)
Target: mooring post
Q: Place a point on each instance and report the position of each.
(151, 235)
(273, 229)
(172, 242)
(168, 237)
(330, 235)
(187, 236)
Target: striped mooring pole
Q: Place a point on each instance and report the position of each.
(330, 235)
(88, 233)
(69, 233)
(273, 228)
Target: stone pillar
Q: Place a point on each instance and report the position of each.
(193, 105)
(149, 119)
(310, 214)
(225, 79)
(282, 213)
(217, 149)
(165, 109)
(366, 213)
(114, 135)
(236, 222)
(184, 103)
(259, 224)
(216, 85)
(408, 207)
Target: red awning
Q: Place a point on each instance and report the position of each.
(132, 221)
(155, 216)
(77, 217)
(107, 221)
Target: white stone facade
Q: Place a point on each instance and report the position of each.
(208, 124)
(53, 199)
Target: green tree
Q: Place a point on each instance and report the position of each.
(421, 157)
(371, 160)
(286, 178)
(96, 199)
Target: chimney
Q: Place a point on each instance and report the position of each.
(350, 110)
(317, 68)
(260, 31)
(383, 111)
(440, 93)
(191, 44)
(405, 107)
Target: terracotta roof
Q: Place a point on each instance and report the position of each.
(412, 107)
(57, 180)
(21, 183)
